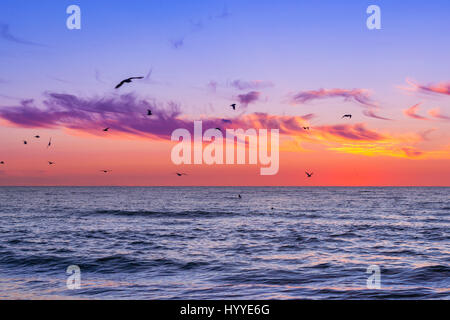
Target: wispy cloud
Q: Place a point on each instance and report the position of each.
(425, 134)
(351, 132)
(360, 96)
(439, 88)
(224, 14)
(6, 34)
(250, 85)
(177, 43)
(412, 152)
(212, 85)
(436, 113)
(412, 112)
(196, 26)
(372, 113)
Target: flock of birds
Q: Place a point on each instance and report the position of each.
(149, 113)
(37, 137)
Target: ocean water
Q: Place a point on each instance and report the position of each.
(205, 243)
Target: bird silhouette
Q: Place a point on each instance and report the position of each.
(106, 129)
(347, 116)
(51, 162)
(105, 171)
(306, 128)
(129, 80)
(219, 129)
(2, 162)
(181, 174)
(233, 106)
(149, 112)
(239, 196)
(49, 143)
(309, 175)
(37, 137)
(25, 142)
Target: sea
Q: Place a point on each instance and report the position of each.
(207, 243)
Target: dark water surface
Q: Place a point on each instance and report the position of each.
(204, 243)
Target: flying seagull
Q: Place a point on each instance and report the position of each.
(309, 175)
(149, 112)
(306, 128)
(49, 143)
(105, 171)
(347, 116)
(181, 174)
(127, 81)
(51, 162)
(37, 137)
(106, 129)
(233, 106)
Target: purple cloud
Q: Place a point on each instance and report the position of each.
(358, 95)
(249, 97)
(249, 85)
(124, 113)
(127, 114)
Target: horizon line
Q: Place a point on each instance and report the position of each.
(224, 186)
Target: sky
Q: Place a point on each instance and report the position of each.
(286, 64)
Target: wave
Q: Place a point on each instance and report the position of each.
(187, 213)
(117, 263)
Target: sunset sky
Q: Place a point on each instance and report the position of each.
(286, 64)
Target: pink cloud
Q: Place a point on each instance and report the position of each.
(439, 88)
(351, 132)
(371, 113)
(412, 112)
(436, 113)
(412, 152)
